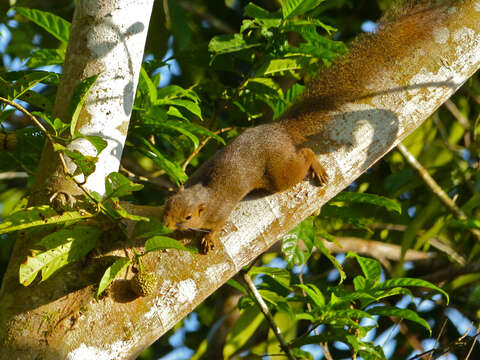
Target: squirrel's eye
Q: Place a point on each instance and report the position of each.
(188, 217)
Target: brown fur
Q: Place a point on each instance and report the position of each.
(273, 156)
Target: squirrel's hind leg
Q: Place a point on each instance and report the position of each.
(318, 169)
(293, 168)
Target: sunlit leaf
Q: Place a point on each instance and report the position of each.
(54, 24)
(111, 273)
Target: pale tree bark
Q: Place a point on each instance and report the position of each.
(107, 39)
(70, 324)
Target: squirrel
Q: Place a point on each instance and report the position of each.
(274, 156)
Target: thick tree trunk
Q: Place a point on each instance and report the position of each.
(107, 38)
(69, 323)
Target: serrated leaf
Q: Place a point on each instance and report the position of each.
(402, 313)
(158, 242)
(37, 216)
(373, 199)
(54, 24)
(111, 273)
(62, 248)
(117, 185)
(46, 57)
(293, 8)
(78, 99)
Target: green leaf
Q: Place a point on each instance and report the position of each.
(146, 229)
(293, 8)
(146, 85)
(402, 313)
(180, 126)
(117, 185)
(281, 276)
(465, 224)
(158, 242)
(85, 163)
(111, 273)
(371, 268)
(236, 285)
(328, 336)
(78, 99)
(223, 44)
(314, 294)
(115, 210)
(191, 106)
(61, 248)
(271, 297)
(54, 24)
(391, 283)
(264, 17)
(172, 169)
(37, 216)
(243, 329)
(25, 83)
(97, 141)
(373, 199)
(45, 57)
(175, 91)
(276, 66)
(292, 252)
(323, 249)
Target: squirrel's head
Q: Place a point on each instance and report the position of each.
(185, 210)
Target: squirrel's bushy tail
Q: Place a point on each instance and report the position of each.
(358, 75)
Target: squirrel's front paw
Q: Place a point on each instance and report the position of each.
(207, 243)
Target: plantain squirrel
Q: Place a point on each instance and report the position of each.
(274, 156)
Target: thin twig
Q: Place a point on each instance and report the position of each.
(473, 345)
(263, 307)
(52, 141)
(201, 145)
(13, 175)
(437, 340)
(434, 187)
(462, 120)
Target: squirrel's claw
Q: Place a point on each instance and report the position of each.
(206, 244)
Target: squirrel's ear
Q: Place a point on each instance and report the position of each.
(181, 188)
(200, 208)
